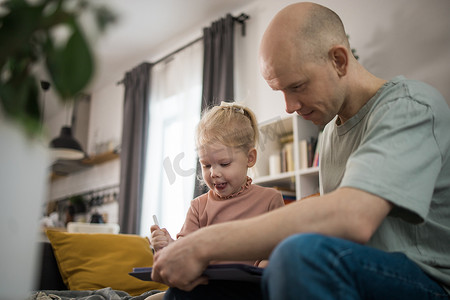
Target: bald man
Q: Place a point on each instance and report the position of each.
(381, 227)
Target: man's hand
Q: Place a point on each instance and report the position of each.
(178, 265)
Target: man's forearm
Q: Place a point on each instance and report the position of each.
(347, 213)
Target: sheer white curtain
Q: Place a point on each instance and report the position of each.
(171, 157)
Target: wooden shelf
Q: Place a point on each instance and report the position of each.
(100, 158)
(63, 168)
(54, 176)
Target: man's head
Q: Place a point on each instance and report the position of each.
(305, 54)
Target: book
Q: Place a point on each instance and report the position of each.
(312, 143)
(289, 138)
(274, 164)
(235, 272)
(283, 164)
(317, 150)
(289, 199)
(288, 195)
(286, 152)
(289, 154)
(303, 148)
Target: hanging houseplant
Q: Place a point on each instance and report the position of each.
(29, 39)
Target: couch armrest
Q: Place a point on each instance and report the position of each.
(49, 277)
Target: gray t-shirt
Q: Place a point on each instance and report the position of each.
(398, 147)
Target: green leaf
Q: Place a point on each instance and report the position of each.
(20, 103)
(17, 29)
(71, 66)
(25, 39)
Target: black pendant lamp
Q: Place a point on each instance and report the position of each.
(65, 146)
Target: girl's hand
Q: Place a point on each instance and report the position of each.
(160, 238)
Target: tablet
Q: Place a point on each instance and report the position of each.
(235, 272)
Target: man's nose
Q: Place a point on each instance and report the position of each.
(292, 103)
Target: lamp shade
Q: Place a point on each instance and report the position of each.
(65, 146)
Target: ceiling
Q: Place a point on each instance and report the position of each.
(143, 25)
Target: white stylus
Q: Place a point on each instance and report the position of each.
(155, 220)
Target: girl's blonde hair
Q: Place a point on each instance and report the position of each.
(230, 124)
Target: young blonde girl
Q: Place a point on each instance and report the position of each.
(226, 139)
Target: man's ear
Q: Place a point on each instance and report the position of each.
(252, 154)
(339, 57)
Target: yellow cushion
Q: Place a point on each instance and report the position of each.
(91, 261)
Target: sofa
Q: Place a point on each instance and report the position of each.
(49, 277)
(84, 265)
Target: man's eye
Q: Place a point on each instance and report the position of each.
(298, 87)
(206, 166)
(225, 164)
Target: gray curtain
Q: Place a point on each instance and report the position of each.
(134, 138)
(218, 71)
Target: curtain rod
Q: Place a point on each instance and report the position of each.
(171, 53)
(178, 50)
(240, 19)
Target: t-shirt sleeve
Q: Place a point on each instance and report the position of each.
(398, 159)
(276, 200)
(191, 222)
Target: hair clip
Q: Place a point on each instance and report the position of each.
(237, 107)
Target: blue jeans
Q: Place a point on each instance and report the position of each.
(312, 266)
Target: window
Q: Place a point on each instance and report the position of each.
(175, 102)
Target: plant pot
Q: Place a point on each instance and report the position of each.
(23, 185)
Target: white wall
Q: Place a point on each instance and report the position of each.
(105, 124)
(402, 37)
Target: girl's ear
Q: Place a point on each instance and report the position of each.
(251, 157)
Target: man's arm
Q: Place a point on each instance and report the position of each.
(346, 213)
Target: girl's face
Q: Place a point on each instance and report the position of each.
(224, 169)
